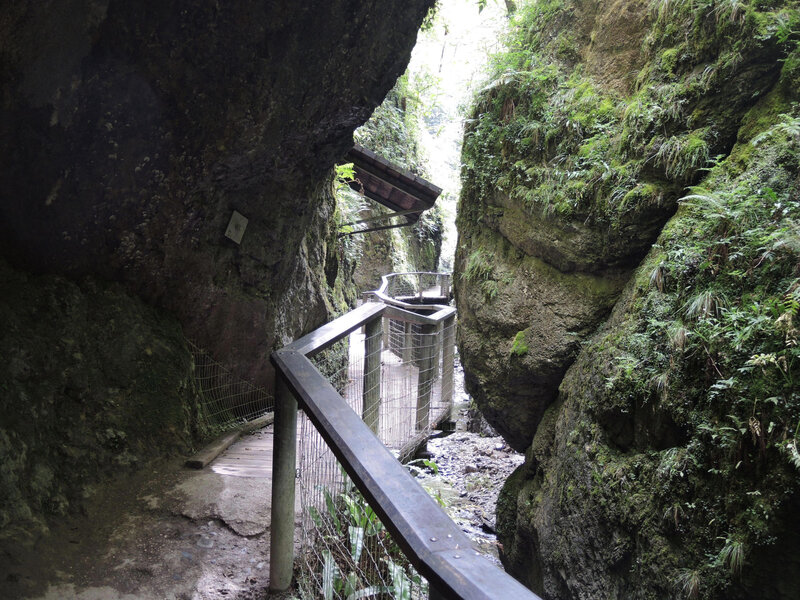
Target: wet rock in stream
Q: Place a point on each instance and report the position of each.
(469, 471)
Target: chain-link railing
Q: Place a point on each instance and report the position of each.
(400, 391)
(415, 287)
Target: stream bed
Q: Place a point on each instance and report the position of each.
(466, 469)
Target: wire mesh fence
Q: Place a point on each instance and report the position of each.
(226, 400)
(396, 377)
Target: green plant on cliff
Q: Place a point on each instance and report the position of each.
(357, 557)
(392, 131)
(543, 132)
(692, 441)
(479, 271)
(718, 325)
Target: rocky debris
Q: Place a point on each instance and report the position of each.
(468, 474)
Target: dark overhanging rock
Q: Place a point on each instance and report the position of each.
(132, 131)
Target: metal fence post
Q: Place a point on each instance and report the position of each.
(372, 374)
(284, 466)
(437, 350)
(408, 342)
(426, 375)
(444, 286)
(448, 358)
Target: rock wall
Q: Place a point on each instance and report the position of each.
(668, 467)
(92, 383)
(662, 448)
(405, 249)
(132, 131)
(596, 120)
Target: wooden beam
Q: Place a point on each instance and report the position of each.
(434, 544)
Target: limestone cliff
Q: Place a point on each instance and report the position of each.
(132, 130)
(598, 116)
(666, 464)
(669, 466)
(130, 133)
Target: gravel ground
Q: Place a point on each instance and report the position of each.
(471, 466)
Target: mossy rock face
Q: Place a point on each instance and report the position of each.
(671, 467)
(93, 383)
(597, 119)
(510, 372)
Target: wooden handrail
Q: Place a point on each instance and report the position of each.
(433, 543)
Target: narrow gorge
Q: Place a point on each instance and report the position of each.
(174, 182)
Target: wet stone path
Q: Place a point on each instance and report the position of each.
(167, 533)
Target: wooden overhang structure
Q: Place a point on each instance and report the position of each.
(405, 194)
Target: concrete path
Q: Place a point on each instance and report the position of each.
(166, 533)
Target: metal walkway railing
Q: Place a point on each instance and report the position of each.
(368, 529)
(414, 288)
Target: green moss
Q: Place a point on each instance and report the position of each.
(519, 346)
(736, 320)
(642, 195)
(669, 60)
(552, 150)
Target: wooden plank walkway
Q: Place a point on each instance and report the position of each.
(251, 456)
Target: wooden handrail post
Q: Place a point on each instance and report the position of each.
(372, 374)
(284, 469)
(426, 374)
(448, 359)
